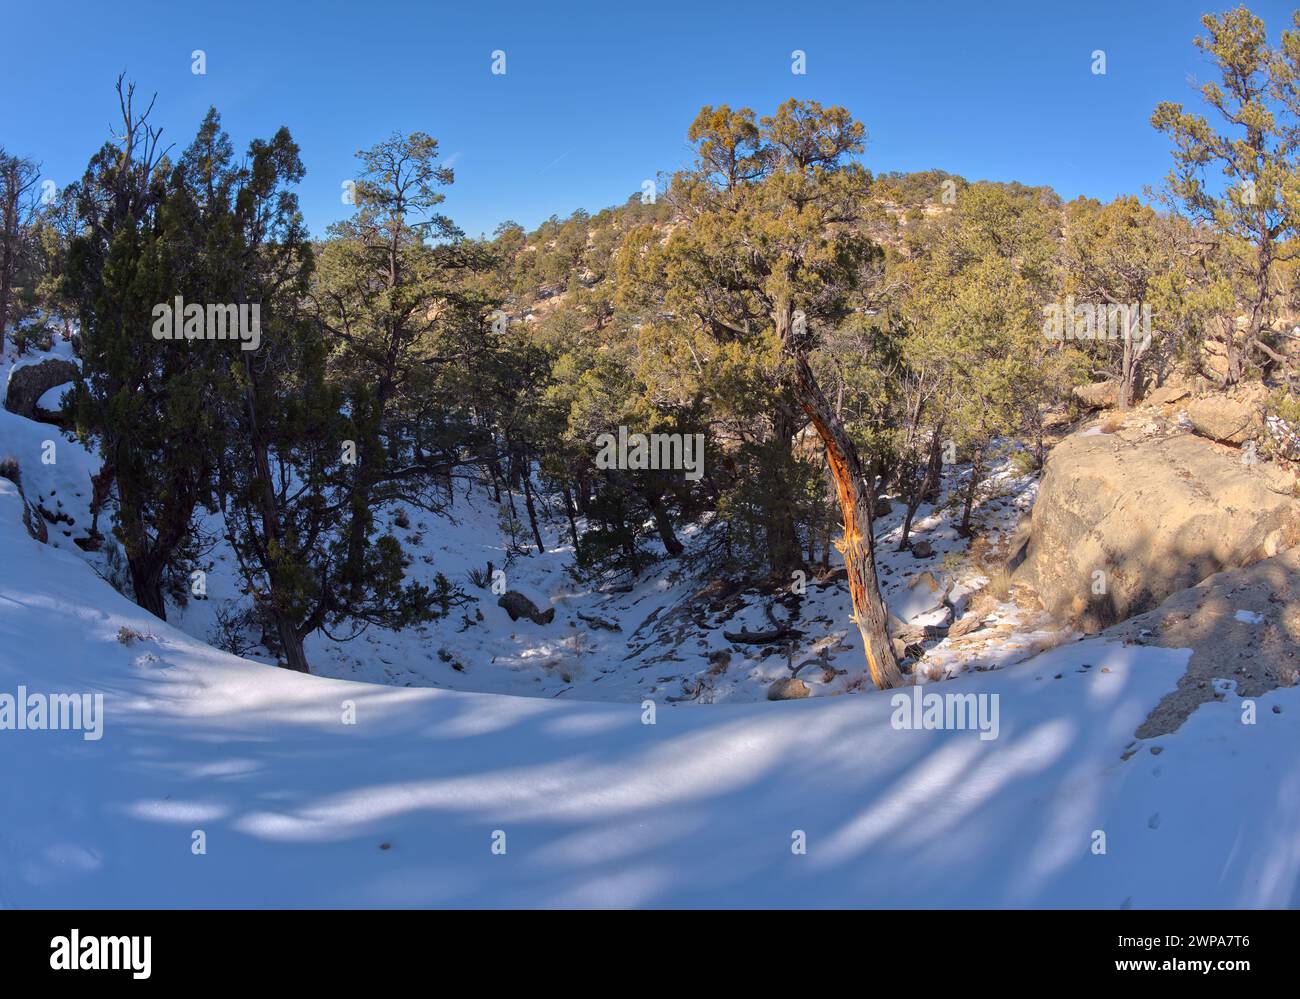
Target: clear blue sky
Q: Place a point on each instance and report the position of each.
(598, 96)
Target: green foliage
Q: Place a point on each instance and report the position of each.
(915, 300)
(1253, 204)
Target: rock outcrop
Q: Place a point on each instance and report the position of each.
(1232, 418)
(1101, 395)
(1121, 524)
(31, 381)
(1166, 394)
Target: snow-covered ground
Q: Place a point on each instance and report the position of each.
(320, 790)
(703, 807)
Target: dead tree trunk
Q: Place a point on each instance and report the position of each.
(933, 465)
(857, 546)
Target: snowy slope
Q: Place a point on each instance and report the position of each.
(598, 808)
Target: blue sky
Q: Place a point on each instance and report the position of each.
(598, 96)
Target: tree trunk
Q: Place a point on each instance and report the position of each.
(569, 512)
(975, 471)
(1125, 399)
(146, 583)
(510, 501)
(290, 644)
(933, 463)
(290, 641)
(813, 522)
(663, 524)
(5, 265)
(781, 535)
(101, 488)
(532, 509)
(857, 546)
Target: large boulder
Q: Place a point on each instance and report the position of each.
(1233, 419)
(1119, 525)
(517, 605)
(29, 382)
(1167, 394)
(1101, 395)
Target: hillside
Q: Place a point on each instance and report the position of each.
(401, 803)
(597, 808)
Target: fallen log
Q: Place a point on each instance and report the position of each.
(600, 622)
(761, 637)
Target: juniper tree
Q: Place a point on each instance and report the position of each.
(976, 284)
(769, 257)
(1239, 173)
(144, 402)
(1117, 257)
(405, 332)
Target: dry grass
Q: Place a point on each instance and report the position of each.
(1291, 534)
(999, 586)
(982, 603)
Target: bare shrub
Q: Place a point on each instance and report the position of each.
(231, 631)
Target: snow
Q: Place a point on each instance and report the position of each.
(660, 650)
(52, 400)
(296, 807)
(597, 808)
(1249, 617)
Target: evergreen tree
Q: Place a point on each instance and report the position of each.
(771, 258)
(1252, 202)
(143, 401)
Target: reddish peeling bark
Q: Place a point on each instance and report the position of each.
(869, 612)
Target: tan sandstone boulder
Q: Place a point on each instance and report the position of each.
(1102, 395)
(1232, 418)
(791, 689)
(1166, 394)
(1120, 525)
